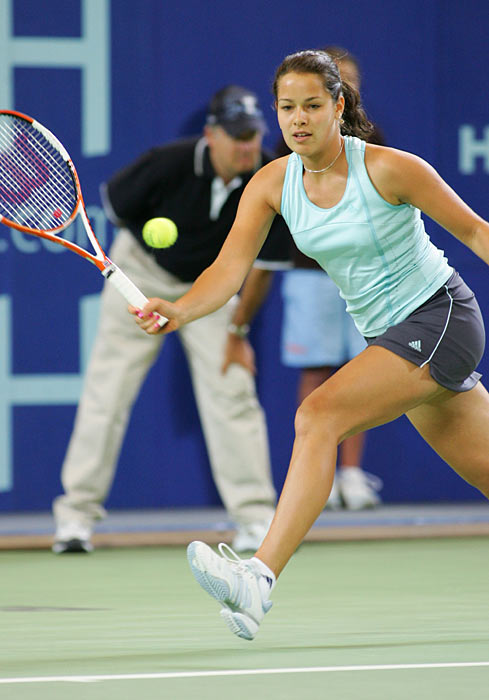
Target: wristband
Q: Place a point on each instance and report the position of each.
(240, 330)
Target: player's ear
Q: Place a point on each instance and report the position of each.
(340, 106)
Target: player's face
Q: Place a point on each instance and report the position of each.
(307, 114)
(231, 157)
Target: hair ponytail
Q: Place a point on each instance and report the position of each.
(355, 121)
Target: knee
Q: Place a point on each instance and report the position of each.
(317, 414)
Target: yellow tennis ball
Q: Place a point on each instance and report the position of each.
(160, 232)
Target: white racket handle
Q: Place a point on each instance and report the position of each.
(128, 289)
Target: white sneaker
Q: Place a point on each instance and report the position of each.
(359, 488)
(334, 501)
(248, 538)
(235, 583)
(72, 537)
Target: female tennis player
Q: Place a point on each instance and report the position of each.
(355, 208)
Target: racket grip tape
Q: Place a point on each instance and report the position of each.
(128, 289)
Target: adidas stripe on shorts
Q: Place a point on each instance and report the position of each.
(446, 332)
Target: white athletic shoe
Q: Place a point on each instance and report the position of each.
(72, 538)
(248, 538)
(358, 488)
(235, 583)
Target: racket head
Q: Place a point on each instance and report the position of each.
(40, 193)
(39, 186)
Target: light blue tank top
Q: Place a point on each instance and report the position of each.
(378, 254)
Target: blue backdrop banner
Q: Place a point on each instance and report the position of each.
(112, 79)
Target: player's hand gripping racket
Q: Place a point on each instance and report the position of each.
(40, 194)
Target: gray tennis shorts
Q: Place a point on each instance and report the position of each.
(446, 332)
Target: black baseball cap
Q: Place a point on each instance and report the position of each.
(236, 109)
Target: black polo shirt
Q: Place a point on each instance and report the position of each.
(174, 180)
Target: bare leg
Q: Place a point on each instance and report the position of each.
(352, 448)
(457, 428)
(374, 388)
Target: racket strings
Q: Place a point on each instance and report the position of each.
(37, 170)
(37, 187)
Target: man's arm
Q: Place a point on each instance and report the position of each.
(274, 255)
(238, 349)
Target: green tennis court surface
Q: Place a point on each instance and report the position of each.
(393, 620)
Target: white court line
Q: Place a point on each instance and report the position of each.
(238, 672)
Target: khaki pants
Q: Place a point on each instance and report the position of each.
(232, 419)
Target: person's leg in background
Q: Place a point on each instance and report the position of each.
(358, 488)
(119, 362)
(234, 428)
(318, 337)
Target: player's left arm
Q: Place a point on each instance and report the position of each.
(405, 178)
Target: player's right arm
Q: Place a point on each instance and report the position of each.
(259, 204)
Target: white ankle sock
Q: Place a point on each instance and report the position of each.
(265, 571)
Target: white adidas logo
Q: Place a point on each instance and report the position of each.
(415, 344)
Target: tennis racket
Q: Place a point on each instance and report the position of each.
(40, 194)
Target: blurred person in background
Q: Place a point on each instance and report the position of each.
(197, 183)
(319, 336)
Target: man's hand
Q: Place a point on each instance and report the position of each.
(238, 351)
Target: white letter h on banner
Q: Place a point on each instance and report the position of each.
(90, 53)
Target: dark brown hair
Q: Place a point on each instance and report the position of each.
(355, 121)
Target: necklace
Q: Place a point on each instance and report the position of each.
(323, 170)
